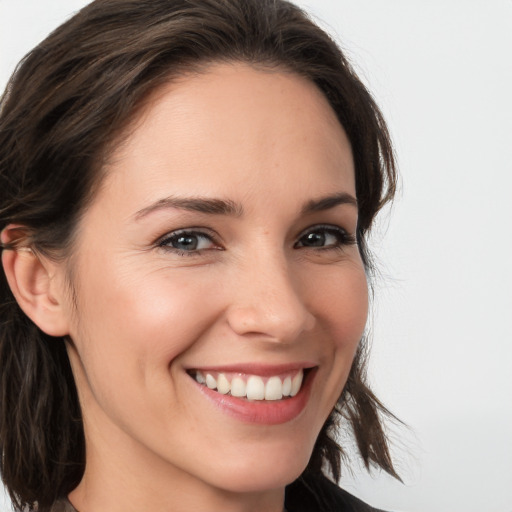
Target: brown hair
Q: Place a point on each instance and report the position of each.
(63, 109)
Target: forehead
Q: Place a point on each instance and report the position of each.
(233, 129)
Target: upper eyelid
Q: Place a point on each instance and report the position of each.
(202, 231)
(327, 227)
(349, 237)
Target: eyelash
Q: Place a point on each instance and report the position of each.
(343, 239)
(165, 242)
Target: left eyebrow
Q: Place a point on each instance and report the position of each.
(326, 203)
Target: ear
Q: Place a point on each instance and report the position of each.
(36, 283)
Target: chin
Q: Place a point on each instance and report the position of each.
(257, 481)
(268, 470)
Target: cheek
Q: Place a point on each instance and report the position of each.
(341, 305)
(131, 327)
(342, 310)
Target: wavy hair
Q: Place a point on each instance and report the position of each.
(62, 113)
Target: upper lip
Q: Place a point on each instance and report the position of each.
(263, 370)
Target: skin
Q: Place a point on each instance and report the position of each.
(255, 291)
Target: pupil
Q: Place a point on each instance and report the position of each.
(315, 239)
(186, 242)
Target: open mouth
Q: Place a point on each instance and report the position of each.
(252, 387)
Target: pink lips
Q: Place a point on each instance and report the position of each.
(263, 412)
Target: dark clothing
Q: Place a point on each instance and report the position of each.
(322, 495)
(317, 495)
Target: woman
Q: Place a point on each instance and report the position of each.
(187, 188)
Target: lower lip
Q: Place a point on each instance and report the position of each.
(262, 412)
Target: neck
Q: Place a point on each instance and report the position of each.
(85, 498)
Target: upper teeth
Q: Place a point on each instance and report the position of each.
(253, 387)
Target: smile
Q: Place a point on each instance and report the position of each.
(251, 387)
(257, 394)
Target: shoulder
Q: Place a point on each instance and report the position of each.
(319, 494)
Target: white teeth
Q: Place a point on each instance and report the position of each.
(210, 381)
(274, 389)
(255, 388)
(287, 386)
(238, 387)
(223, 385)
(296, 383)
(252, 386)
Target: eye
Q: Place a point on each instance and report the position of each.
(187, 241)
(325, 237)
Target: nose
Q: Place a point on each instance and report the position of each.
(267, 301)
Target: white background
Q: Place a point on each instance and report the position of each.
(442, 352)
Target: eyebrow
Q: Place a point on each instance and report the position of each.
(326, 203)
(214, 206)
(208, 205)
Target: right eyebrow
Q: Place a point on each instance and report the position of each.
(212, 206)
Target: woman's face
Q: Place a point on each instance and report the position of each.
(221, 247)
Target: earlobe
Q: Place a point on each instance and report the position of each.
(33, 282)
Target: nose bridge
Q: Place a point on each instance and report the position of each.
(268, 301)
